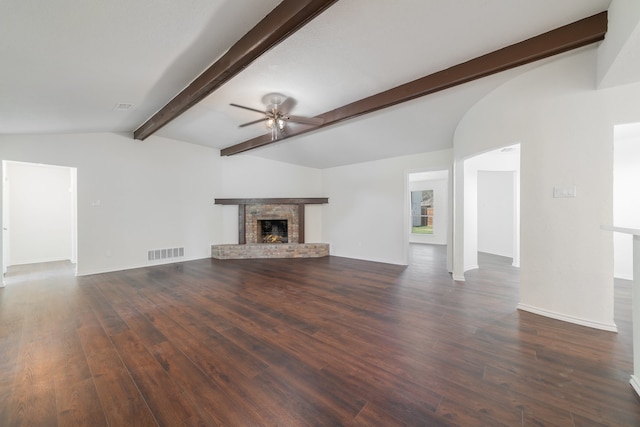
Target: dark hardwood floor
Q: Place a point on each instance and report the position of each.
(320, 342)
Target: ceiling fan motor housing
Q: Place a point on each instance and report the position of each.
(273, 100)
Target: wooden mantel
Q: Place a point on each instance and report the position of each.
(242, 203)
(274, 201)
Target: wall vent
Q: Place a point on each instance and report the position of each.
(122, 106)
(157, 254)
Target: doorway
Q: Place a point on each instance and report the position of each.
(626, 196)
(39, 214)
(428, 198)
(492, 206)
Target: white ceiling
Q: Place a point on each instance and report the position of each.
(67, 63)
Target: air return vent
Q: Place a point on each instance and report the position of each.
(157, 254)
(122, 106)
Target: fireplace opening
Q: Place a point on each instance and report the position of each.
(273, 230)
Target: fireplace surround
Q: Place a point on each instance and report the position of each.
(255, 215)
(286, 214)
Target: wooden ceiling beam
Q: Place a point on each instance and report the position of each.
(287, 18)
(563, 39)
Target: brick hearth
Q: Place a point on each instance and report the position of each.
(270, 250)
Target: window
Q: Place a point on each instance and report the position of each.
(422, 212)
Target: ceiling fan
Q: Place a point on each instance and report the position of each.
(276, 114)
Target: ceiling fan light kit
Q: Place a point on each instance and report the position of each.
(272, 122)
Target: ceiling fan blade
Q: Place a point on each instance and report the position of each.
(305, 120)
(248, 108)
(264, 119)
(287, 105)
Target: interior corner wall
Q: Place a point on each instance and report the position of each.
(565, 127)
(132, 196)
(246, 176)
(40, 213)
(367, 214)
(617, 57)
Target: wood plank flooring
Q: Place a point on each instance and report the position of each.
(304, 342)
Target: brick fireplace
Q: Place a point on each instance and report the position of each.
(261, 225)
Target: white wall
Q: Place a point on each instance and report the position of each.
(626, 196)
(132, 196)
(470, 215)
(440, 211)
(496, 203)
(136, 196)
(368, 212)
(566, 129)
(40, 213)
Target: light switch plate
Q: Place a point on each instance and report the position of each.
(559, 191)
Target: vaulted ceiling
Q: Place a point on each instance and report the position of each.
(75, 66)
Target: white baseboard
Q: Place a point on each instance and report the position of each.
(611, 327)
(458, 278)
(166, 261)
(635, 384)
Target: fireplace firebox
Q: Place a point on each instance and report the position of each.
(273, 230)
